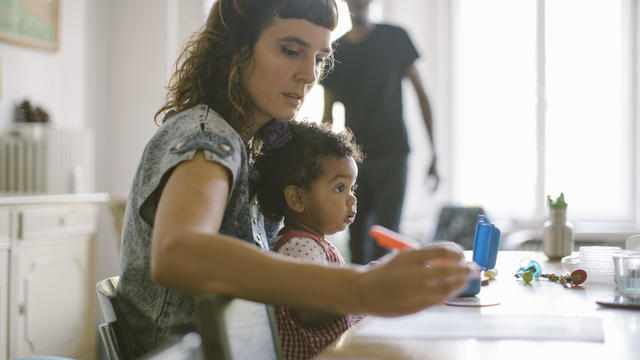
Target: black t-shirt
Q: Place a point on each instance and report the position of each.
(367, 79)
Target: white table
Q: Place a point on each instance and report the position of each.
(542, 320)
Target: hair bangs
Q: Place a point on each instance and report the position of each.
(319, 12)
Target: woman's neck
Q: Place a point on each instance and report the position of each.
(257, 124)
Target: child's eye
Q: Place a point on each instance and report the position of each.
(354, 188)
(339, 188)
(288, 51)
(321, 60)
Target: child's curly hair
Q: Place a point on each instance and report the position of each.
(297, 162)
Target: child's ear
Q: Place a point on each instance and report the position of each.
(294, 196)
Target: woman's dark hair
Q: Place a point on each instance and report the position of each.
(298, 162)
(209, 63)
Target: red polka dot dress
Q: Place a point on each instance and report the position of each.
(305, 341)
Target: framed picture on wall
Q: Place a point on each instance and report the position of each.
(30, 22)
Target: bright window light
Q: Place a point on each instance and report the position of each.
(495, 106)
(543, 106)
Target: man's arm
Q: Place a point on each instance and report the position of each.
(412, 73)
(329, 99)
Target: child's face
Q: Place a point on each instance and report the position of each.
(330, 203)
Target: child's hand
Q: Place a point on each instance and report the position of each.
(410, 281)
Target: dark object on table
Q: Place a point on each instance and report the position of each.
(457, 224)
(26, 113)
(619, 301)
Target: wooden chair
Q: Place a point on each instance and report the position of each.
(236, 329)
(457, 224)
(114, 334)
(229, 329)
(188, 348)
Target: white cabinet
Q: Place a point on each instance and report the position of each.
(51, 302)
(4, 299)
(5, 237)
(51, 275)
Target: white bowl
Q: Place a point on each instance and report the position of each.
(570, 262)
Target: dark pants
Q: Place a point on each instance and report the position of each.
(381, 186)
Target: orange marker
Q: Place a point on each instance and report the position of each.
(390, 239)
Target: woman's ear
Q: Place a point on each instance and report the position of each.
(294, 196)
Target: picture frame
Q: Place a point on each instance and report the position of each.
(31, 23)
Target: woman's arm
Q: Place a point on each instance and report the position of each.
(188, 255)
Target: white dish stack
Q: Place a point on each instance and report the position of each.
(597, 261)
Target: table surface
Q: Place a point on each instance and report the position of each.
(560, 323)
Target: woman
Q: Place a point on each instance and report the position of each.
(191, 227)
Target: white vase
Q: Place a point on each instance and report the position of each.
(557, 239)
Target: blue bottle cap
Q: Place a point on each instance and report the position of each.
(485, 251)
(485, 243)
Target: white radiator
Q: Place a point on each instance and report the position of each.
(37, 158)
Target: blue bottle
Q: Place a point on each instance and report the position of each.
(485, 251)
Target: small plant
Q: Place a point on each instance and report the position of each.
(559, 203)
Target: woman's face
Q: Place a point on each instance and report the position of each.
(286, 62)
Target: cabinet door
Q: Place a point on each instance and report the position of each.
(5, 237)
(4, 301)
(52, 305)
(5, 226)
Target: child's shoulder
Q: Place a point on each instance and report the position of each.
(295, 236)
(300, 244)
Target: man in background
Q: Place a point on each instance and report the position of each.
(370, 62)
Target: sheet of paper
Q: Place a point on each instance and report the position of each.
(433, 325)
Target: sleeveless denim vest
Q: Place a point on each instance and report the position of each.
(155, 315)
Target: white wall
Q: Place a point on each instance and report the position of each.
(134, 76)
(136, 46)
(52, 80)
(133, 49)
(109, 74)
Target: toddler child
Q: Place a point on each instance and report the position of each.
(307, 176)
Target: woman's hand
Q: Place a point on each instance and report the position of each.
(414, 279)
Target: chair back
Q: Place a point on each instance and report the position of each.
(457, 224)
(237, 329)
(113, 335)
(187, 348)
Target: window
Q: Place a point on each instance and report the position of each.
(542, 103)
